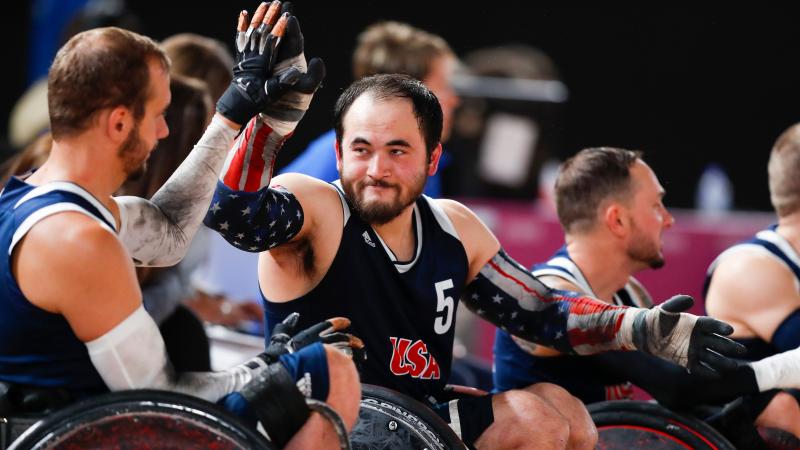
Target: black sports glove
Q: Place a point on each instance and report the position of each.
(283, 114)
(697, 343)
(254, 84)
(284, 339)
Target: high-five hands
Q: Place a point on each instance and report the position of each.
(259, 77)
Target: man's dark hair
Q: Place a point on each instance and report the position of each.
(98, 69)
(587, 180)
(387, 86)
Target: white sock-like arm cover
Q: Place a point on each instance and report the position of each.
(132, 355)
(780, 371)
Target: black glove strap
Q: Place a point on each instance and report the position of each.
(280, 406)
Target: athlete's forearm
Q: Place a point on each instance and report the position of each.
(157, 232)
(245, 210)
(132, 355)
(670, 383)
(509, 296)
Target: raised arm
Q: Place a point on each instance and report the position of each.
(506, 294)
(246, 210)
(158, 231)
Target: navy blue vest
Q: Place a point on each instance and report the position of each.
(37, 347)
(403, 311)
(515, 368)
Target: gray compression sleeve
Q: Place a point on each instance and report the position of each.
(157, 232)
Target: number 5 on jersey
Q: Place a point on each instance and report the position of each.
(444, 307)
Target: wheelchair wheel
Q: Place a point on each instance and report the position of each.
(626, 424)
(141, 419)
(390, 420)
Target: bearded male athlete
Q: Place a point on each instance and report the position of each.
(370, 247)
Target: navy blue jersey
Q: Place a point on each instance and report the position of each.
(515, 368)
(404, 311)
(38, 347)
(773, 244)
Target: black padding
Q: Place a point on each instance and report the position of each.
(280, 406)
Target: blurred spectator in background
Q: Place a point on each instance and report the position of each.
(392, 47)
(509, 123)
(53, 22)
(200, 57)
(29, 158)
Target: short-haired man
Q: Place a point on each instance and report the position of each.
(609, 202)
(71, 314)
(373, 248)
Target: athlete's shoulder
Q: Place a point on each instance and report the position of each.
(463, 218)
(72, 235)
(480, 244)
(749, 279)
(299, 184)
(557, 282)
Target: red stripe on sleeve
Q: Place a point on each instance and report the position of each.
(256, 168)
(234, 173)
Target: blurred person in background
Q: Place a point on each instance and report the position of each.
(392, 47)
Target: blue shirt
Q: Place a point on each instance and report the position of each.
(38, 347)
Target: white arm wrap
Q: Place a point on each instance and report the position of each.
(132, 355)
(781, 371)
(157, 232)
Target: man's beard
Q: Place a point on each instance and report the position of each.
(379, 213)
(134, 153)
(645, 251)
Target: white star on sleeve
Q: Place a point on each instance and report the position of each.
(215, 207)
(246, 211)
(224, 226)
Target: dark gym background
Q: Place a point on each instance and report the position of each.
(688, 86)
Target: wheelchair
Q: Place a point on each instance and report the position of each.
(141, 419)
(389, 420)
(159, 419)
(626, 424)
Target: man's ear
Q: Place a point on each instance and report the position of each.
(119, 122)
(616, 219)
(433, 164)
(338, 149)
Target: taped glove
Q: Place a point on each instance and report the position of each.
(284, 339)
(283, 115)
(697, 343)
(254, 84)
